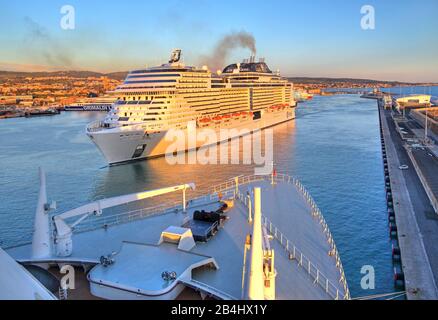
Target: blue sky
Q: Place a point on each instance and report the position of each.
(301, 38)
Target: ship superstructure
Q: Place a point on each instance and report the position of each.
(151, 101)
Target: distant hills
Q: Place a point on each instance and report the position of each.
(321, 80)
(121, 76)
(74, 74)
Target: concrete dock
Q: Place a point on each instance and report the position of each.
(424, 157)
(417, 223)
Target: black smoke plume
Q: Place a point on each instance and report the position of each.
(224, 47)
(41, 43)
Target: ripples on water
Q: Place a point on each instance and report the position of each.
(332, 147)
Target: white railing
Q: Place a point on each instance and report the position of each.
(106, 221)
(209, 289)
(242, 181)
(304, 262)
(315, 211)
(95, 126)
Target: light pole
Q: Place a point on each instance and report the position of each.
(425, 128)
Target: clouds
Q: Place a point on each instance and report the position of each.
(299, 38)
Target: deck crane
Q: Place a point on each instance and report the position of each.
(44, 241)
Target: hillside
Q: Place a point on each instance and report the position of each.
(121, 76)
(73, 74)
(318, 80)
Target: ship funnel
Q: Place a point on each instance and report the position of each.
(256, 276)
(41, 235)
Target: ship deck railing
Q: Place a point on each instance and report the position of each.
(315, 211)
(198, 285)
(305, 263)
(106, 221)
(95, 126)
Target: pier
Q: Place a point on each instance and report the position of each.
(415, 223)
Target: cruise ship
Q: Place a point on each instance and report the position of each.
(245, 96)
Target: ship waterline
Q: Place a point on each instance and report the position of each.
(245, 96)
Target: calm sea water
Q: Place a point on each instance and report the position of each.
(433, 91)
(333, 147)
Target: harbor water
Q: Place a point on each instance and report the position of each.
(333, 147)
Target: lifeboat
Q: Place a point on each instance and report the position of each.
(217, 118)
(204, 120)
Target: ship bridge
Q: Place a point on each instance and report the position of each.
(260, 67)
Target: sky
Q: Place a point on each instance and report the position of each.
(309, 38)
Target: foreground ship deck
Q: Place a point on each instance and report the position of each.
(306, 260)
(156, 105)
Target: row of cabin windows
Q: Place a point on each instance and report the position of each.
(148, 113)
(218, 103)
(220, 95)
(153, 75)
(129, 109)
(156, 94)
(267, 94)
(168, 70)
(126, 87)
(145, 99)
(133, 98)
(149, 81)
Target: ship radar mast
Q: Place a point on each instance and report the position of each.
(176, 56)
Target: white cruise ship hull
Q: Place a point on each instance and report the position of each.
(124, 144)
